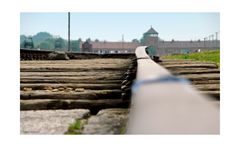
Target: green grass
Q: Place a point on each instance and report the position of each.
(208, 56)
(75, 128)
(123, 130)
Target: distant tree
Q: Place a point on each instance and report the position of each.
(135, 40)
(40, 37)
(96, 40)
(88, 40)
(75, 45)
(45, 40)
(59, 43)
(48, 44)
(22, 39)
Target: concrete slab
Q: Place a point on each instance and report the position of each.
(49, 121)
(107, 121)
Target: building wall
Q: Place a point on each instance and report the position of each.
(86, 47)
(166, 47)
(178, 47)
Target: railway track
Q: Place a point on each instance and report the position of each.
(163, 103)
(92, 96)
(205, 76)
(56, 94)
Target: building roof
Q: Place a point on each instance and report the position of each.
(114, 45)
(152, 31)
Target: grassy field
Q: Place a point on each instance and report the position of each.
(211, 56)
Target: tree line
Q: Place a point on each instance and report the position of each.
(44, 40)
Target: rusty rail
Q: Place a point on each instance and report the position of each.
(165, 104)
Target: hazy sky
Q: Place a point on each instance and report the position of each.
(111, 26)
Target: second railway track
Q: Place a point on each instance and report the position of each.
(205, 76)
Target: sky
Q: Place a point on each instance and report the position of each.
(111, 26)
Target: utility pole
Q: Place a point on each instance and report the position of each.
(205, 38)
(216, 36)
(122, 41)
(68, 31)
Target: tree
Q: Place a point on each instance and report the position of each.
(45, 40)
(22, 39)
(45, 45)
(88, 40)
(60, 44)
(75, 45)
(40, 37)
(135, 40)
(48, 44)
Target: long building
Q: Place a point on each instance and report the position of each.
(156, 46)
(180, 47)
(109, 47)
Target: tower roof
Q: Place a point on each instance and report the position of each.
(152, 31)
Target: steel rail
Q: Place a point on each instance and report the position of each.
(165, 104)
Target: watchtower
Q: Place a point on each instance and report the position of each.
(150, 39)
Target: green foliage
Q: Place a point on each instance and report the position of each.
(75, 45)
(41, 37)
(75, 128)
(22, 39)
(123, 130)
(47, 44)
(45, 40)
(60, 44)
(209, 56)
